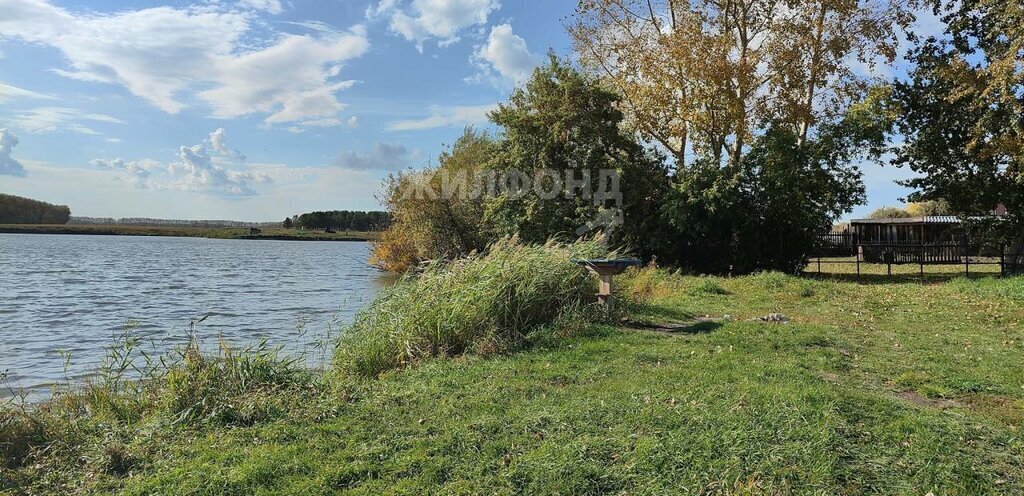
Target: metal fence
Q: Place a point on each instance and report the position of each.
(846, 249)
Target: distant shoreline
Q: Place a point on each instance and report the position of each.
(277, 234)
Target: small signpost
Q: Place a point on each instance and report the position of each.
(605, 269)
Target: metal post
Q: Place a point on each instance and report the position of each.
(921, 258)
(1002, 261)
(857, 252)
(967, 258)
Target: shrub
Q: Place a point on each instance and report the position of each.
(395, 251)
(708, 287)
(807, 289)
(771, 280)
(482, 304)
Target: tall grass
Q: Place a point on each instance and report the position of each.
(133, 396)
(486, 303)
(138, 405)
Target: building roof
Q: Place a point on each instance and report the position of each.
(933, 219)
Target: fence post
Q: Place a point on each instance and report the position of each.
(967, 258)
(856, 252)
(1002, 261)
(920, 259)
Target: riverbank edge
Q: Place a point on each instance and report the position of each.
(183, 232)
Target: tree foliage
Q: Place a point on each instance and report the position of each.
(563, 123)
(343, 220)
(428, 223)
(764, 213)
(890, 213)
(706, 76)
(569, 123)
(962, 109)
(929, 207)
(19, 210)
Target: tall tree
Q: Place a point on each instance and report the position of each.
(436, 215)
(962, 111)
(568, 122)
(561, 133)
(704, 76)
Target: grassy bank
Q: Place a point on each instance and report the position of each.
(188, 232)
(888, 388)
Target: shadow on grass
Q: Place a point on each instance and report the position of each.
(656, 313)
(876, 279)
(699, 326)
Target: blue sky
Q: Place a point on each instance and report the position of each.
(257, 109)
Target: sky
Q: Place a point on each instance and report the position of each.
(255, 110)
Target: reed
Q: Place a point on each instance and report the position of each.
(504, 299)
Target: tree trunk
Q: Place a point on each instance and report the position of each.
(681, 154)
(812, 84)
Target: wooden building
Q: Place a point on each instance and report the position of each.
(935, 239)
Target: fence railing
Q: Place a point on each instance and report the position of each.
(845, 248)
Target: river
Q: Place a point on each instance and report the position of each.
(78, 294)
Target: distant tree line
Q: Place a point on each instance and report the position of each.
(913, 209)
(340, 220)
(19, 210)
(145, 221)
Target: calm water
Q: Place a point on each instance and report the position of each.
(76, 293)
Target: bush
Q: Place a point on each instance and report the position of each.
(771, 280)
(482, 304)
(708, 287)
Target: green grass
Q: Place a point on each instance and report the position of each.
(882, 388)
(512, 296)
(188, 232)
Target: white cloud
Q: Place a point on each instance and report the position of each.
(114, 140)
(165, 55)
(218, 140)
(53, 119)
(506, 53)
(291, 79)
(352, 122)
(292, 190)
(434, 19)
(195, 170)
(8, 92)
(9, 166)
(446, 117)
(137, 171)
(269, 6)
(384, 156)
